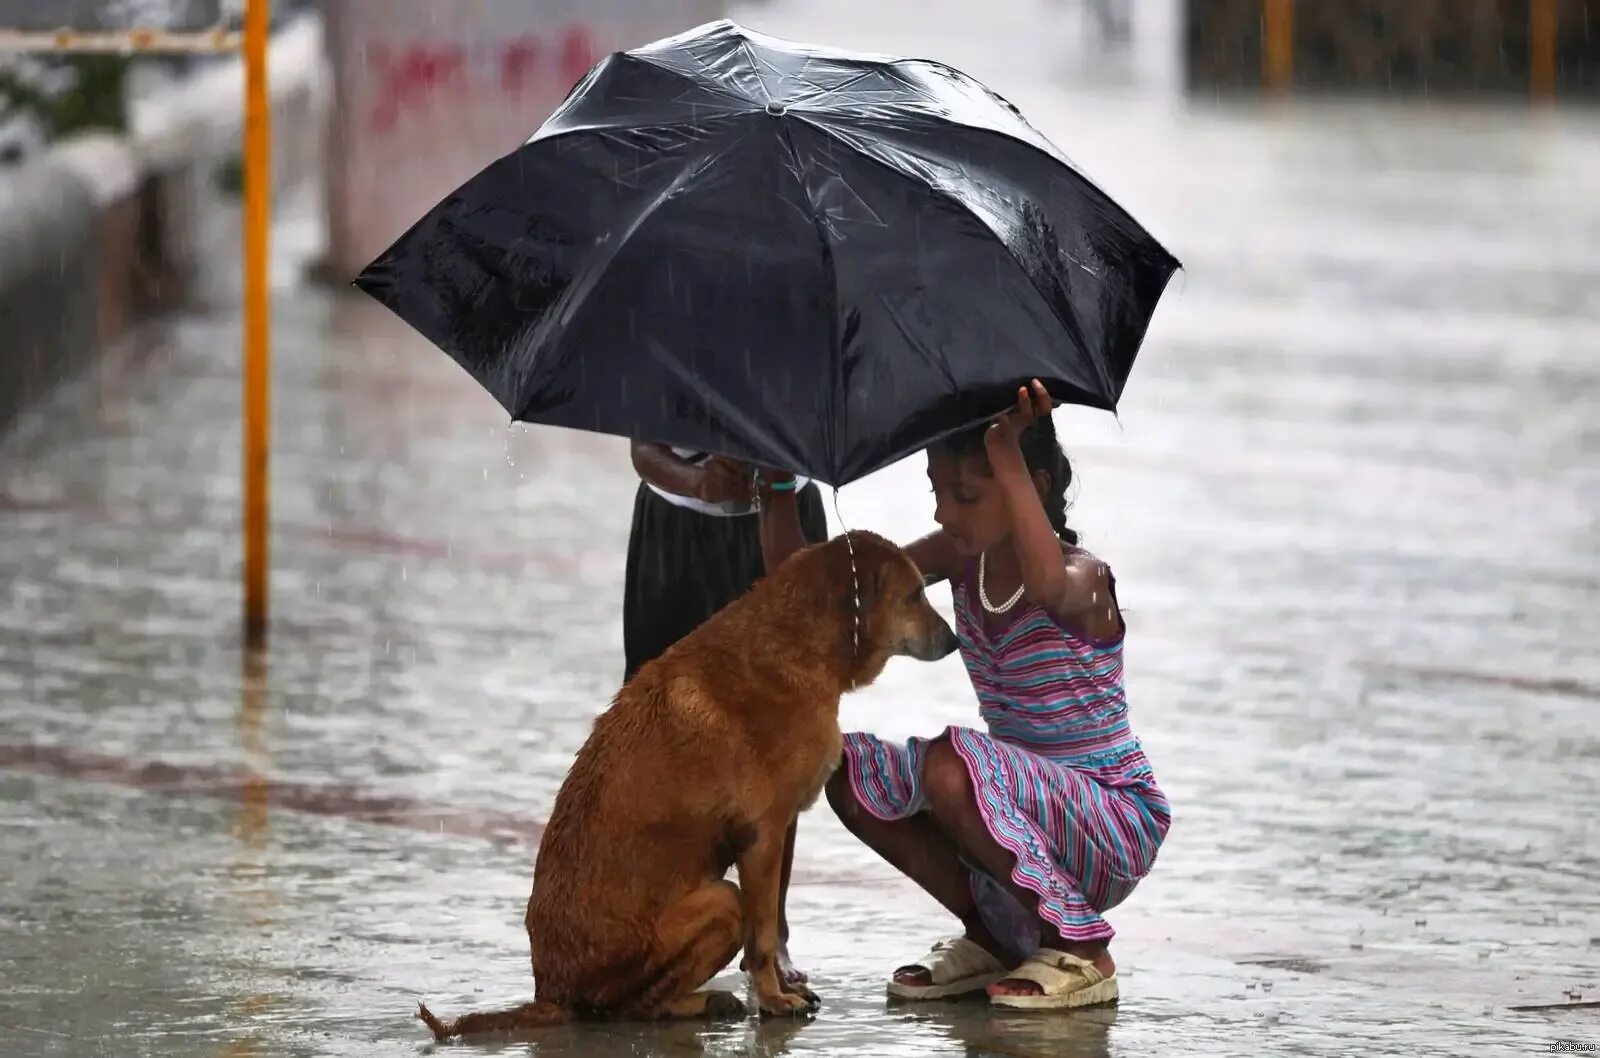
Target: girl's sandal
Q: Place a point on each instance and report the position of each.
(1064, 981)
(956, 967)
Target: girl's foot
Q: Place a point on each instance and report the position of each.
(1097, 955)
(955, 967)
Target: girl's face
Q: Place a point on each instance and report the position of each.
(967, 502)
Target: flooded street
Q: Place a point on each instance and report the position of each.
(1353, 504)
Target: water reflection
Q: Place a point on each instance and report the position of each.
(985, 1032)
(255, 898)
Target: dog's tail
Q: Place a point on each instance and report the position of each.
(536, 1015)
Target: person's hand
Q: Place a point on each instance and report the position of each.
(1032, 403)
(766, 477)
(720, 480)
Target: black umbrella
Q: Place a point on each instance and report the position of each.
(805, 258)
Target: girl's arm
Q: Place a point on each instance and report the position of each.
(935, 556)
(716, 481)
(1075, 589)
(781, 534)
(1044, 573)
(660, 466)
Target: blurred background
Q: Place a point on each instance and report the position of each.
(1352, 497)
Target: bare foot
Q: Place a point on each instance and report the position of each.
(1100, 955)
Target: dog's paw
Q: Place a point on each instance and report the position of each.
(787, 1005)
(803, 990)
(725, 1006)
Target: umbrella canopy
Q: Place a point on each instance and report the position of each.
(809, 259)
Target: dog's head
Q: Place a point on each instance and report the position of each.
(887, 611)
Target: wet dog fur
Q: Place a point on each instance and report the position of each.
(702, 762)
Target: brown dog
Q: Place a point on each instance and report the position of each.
(703, 761)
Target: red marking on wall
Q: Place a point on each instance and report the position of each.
(577, 53)
(413, 76)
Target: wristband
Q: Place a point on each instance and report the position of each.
(784, 486)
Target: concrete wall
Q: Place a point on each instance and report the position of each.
(49, 281)
(427, 94)
(102, 231)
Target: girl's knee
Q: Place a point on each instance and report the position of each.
(841, 797)
(945, 782)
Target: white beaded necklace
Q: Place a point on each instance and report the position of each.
(983, 593)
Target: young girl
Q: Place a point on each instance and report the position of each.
(1030, 829)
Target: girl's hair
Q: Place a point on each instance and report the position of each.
(1040, 451)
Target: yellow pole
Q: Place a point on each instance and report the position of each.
(1277, 45)
(1542, 49)
(257, 348)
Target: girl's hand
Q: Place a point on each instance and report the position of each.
(720, 480)
(1032, 403)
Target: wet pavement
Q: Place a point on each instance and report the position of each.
(1353, 500)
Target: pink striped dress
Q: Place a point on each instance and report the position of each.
(1062, 781)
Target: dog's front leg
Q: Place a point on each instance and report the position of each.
(760, 878)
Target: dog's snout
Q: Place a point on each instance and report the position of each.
(937, 640)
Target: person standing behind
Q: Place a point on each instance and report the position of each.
(695, 544)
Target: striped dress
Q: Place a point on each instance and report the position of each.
(1062, 781)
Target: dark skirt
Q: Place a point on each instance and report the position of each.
(684, 566)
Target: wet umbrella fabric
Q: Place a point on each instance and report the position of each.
(810, 259)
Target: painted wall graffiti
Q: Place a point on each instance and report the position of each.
(410, 76)
(428, 92)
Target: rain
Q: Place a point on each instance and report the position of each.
(1350, 492)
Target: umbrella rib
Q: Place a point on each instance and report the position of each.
(1071, 326)
(750, 53)
(823, 93)
(575, 297)
(689, 80)
(1050, 150)
(840, 396)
